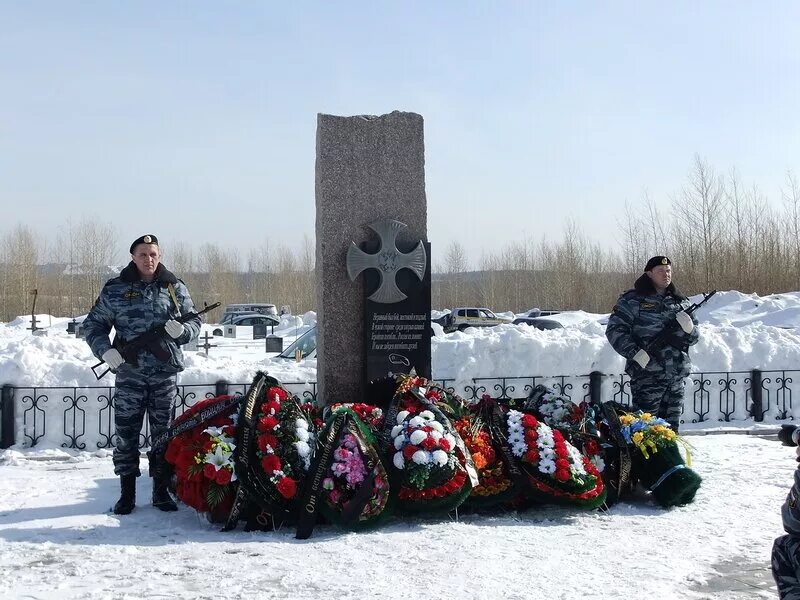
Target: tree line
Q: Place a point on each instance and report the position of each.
(719, 232)
(69, 272)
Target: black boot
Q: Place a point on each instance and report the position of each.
(127, 499)
(161, 498)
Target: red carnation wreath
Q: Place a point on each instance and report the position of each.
(203, 460)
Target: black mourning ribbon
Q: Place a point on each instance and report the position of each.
(497, 434)
(196, 419)
(245, 442)
(310, 499)
(624, 483)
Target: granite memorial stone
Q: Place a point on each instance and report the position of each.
(368, 169)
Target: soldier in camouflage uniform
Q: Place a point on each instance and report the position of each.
(786, 550)
(638, 317)
(144, 296)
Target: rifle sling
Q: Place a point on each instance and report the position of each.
(171, 290)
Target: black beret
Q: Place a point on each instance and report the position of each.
(655, 261)
(148, 238)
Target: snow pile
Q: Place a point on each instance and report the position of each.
(738, 331)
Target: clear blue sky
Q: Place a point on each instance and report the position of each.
(186, 119)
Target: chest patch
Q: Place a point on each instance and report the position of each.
(132, 294)
(647, 305)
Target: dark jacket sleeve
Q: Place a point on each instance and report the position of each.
(98, 323)
(791, 508)
(619, 328)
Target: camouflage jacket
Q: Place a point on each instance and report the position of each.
(133, 307)
(639, 316)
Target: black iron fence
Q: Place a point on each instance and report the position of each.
(82, 417)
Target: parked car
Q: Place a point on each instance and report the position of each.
(538, 322)
(262, 308)
(255, 319)
(306, 343)
(247, 319)
(461, 318)
(538, 312)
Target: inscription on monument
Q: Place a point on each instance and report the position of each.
(396, 332)
(397, 335)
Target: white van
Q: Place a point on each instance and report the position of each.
(261, 308)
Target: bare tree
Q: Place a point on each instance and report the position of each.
(738, 204)
(56, 289)
(21, 262)
(658, 237)
(94, 245)
(220, 282)
(455, 266)
(306, 294)
(699, 217)
(180, 258)
(791, 200)
(634, 239)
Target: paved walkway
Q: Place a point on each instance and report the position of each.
(740, 580)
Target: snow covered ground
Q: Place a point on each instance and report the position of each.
(58, 540)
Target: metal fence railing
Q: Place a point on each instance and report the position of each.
(82, 417)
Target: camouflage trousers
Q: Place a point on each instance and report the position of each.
(134, 396)
(786, 566)
(660, 395)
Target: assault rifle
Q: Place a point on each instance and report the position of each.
(150, 340)
(666, 337)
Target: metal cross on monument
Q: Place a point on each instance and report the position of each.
(396, 322)
(388, 261)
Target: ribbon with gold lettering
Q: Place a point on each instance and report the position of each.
(309, 500)
(245, 445)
